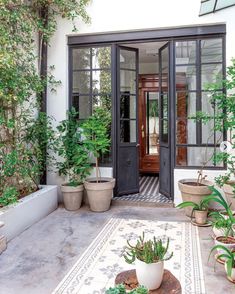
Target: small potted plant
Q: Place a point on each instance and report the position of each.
(120, 289)
(199, 211)
(96, 138)
(149, 257)
(221, 225)
(229, 260)
(75, 164)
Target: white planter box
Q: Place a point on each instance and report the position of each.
(27, 211)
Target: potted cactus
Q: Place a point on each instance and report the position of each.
(149, 257)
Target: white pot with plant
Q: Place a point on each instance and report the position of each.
(96, 138)
(199, 211)
(149, 257)
(221, 225)
(228, 256)
(75, 162)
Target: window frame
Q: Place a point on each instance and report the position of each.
(199, 92)
(214, 7)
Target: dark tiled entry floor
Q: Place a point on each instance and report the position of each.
(149, 192)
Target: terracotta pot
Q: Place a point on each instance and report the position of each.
(232, 277)
(99, 194)
(193, 193)
(228, 191)
(72, 196)
(200, 216)
(149, 275)
(230, 246)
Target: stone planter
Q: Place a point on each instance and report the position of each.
(149, 275)
(72, 196)
(192, 192)
(28, 210)
(228, 191)
(99, 194)
(200, 216)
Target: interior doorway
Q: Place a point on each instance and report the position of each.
(143, 102)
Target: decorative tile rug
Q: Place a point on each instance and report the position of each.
(149, 192)
(96, 269)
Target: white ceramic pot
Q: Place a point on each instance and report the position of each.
(232, 277)
(149, 275)
(229, 246)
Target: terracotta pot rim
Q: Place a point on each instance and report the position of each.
(230, 237)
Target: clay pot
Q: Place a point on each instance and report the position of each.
(99, 194)
(200, 216)
(72, 196)
(191, 192)
(149, 275)
(228, 242)
(228, 191)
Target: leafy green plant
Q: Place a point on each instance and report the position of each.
(96, 136)
(228, 256)
(120, 289)
(203, 205)
(147, 251)
(9, 196)
(71, 148)
(218, 221)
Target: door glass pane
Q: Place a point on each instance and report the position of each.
(101, 81)
(128, 131)
(211, 73)
(211, 50)
(81, 82)
(103, 100)
(186, 77)
(81, 58)
(185, 131)
(165, 130)
(152, 122)
(185, 104)
(101, 57)
(82, 105)
(128, 106)
(224, 3)
(128, 81)
(127, 59)
(185, 52)
(165, 105)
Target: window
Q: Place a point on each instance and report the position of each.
(91, 82)
(210, 6)
(198, 63)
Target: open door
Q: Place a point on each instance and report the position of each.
(127, 121)
(165, 183)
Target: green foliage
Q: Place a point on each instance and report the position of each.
(71, 148)
(218, 221)
(120, 289)
(9, 196)
(203, 204)
(25, 133)
(147, 251)
(228, 255)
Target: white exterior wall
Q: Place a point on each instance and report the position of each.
(126, 15)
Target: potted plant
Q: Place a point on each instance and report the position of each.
(194, 190)
(75, 163)
(229, 257)
(221, 225)
(149, 257)
(199, 211)
(96, 138)
(120, 289)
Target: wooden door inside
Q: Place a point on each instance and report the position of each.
(149, 123)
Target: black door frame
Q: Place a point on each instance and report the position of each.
(140, 36)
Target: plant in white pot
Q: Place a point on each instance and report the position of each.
(149, 257)
(96, 138)
(221, 226)
(75, 163)
(199, 211)
(229, 260)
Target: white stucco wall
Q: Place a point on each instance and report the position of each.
(113, 15)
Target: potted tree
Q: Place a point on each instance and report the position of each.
(229, 261)
(96, 138)
(199, 211)
(149, 257)
(75, 163)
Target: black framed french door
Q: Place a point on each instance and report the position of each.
(127, 174)
(165, 122)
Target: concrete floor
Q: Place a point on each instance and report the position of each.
(38, 259)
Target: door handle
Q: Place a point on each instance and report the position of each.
(137, 145)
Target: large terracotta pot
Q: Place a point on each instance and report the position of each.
(149, 275)
(193, 193)
(72, 196)
(228, 191)
(99, 194)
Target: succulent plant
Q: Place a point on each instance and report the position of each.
(147, 251)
